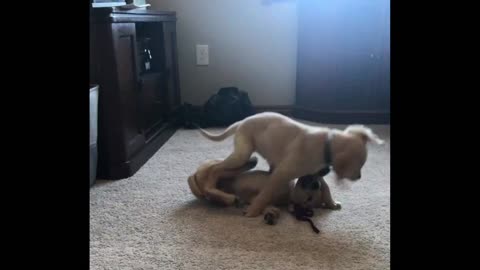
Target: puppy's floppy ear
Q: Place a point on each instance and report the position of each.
(365, 133)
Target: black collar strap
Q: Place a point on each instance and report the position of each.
(328, 149)
(327, 152)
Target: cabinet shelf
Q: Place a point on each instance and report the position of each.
(149, 74)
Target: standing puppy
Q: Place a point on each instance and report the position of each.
(292, 150)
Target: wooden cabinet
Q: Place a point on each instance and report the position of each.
(343, 68)
(138, 99)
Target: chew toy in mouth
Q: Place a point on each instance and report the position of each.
(304, 214)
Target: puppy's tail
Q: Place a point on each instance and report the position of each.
(220, 137)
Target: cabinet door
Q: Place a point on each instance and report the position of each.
(125, 56)
(343, 55)
(153, 105)
(171, 66)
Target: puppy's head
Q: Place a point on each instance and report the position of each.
(352, 151)
(306, 191)
(197, 180)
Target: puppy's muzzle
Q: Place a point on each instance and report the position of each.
(357, 177)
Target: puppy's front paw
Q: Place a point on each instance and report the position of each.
(238, 203)
(332, 206)
(337, 206)
(269, 218)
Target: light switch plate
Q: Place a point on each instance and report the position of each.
(202, 55)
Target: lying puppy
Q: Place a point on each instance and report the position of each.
(292, 150)
(307, 192)
(204, 186)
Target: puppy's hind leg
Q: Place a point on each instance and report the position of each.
(218, 196)
(243, 149)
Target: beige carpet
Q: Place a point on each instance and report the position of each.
(151, 221)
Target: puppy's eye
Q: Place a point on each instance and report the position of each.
(303, 181)
(315, 185)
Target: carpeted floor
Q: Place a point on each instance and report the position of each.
(152, 221)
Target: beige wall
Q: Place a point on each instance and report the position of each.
(252, 45)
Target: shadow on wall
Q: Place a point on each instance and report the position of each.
(257, 54)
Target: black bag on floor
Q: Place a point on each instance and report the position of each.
(192, 116)
(226, 107)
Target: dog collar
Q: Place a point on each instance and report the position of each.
(327, 155)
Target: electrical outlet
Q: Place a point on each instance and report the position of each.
(202, 55)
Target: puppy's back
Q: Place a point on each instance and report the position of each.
(247, 185)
